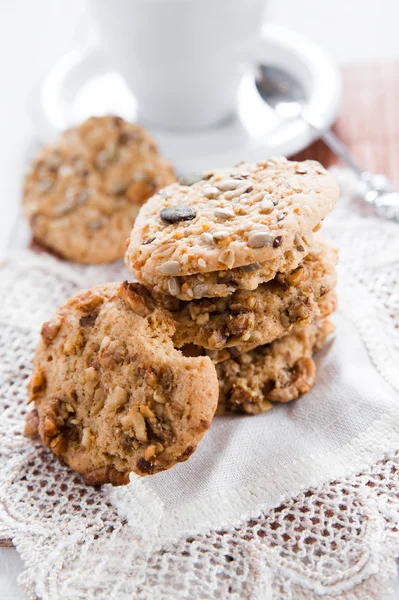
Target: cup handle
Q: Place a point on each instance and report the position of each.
(67, 75)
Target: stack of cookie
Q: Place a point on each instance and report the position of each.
(234, 287)
(235, 258)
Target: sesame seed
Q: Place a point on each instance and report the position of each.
(201, 263)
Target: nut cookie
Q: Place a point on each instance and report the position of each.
(241, 217)
(248, 319)
(112, 395)
(83, 193)
(326, 306)
(278, 372)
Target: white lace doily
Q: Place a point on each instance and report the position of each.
(336, 538)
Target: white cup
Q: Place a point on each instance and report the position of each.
(182, 59)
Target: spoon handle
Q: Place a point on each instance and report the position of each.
(338, 147)
(374, 189)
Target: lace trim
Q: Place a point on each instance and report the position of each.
(337, 540)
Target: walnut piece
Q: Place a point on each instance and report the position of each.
(137, 298)
(105, 474)
(135, 420)
(304, 376)
(116, 399)
(50, 330)
(36, 384)
(112, 352)
(32, 423)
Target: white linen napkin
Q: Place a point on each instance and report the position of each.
(246, 464)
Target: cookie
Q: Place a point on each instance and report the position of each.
(83, 193)
(247, 319)
(259, 216)
(222, 283)
(112, 395)
(278, 372)
(327, 305)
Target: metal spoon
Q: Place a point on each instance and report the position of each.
(287, 96)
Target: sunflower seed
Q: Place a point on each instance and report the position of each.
(224, 213)
(257, 197)
(200, 290)
(259, 239)
(235, 193)
(211, 192)
(228, 184)
(207, 238)
(191, 178)
(173, 286)
(220, 235)
(170, 267)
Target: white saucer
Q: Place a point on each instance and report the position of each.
(81, 84)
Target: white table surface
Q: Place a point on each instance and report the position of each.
(33, 34)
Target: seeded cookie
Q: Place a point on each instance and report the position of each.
(278, 372)
(83, 193)
(247, 319)
(253, 220)
(111, 393)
